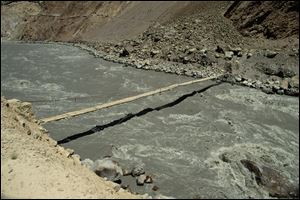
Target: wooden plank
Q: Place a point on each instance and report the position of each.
(121, 101)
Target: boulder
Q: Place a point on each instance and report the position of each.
(140, 179)
(137, 170)
(108, 168)
(271, 180)
(88, 163)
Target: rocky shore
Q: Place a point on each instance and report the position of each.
(34, 166)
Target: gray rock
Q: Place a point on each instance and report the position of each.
(236, 50)
(238, 79)
(203, 51)
(249, 55)
(148, 179)
(88, 163)
(228, 67)
(271, 180)
(239, 54)
(294, 82)
(217, 55)
(154, 52)
(193, 50)
(124, 52)
(245, 83)
(108, 168)
(292, 92)
(228, 55)
(140, 179)
(137, 170)
(267, 90)
(281, 92)
(126, 172)
(270, 54)
(219, 49)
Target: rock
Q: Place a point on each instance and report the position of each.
(193, 50)
(271, 180)
(294, 82)
(245, 83)
(140, 179)
(238, 79)
(154, 52)
(88, 163)
(236, 50)
(108, 168)
(267, 90)
(228, 55)
(219, 50)
(155, 188)
(203, 52)
(225, 157)
(185, 60)
(70, 152)
(281, 92)
(76, 158)
(248, 55)
(117, 188)
(284, 84)
(124, 52)
(217, 55)
(124, 186)
(239, 54)
(292, 92)
(228, 67)
(285, 72)
(270, 54)
(275, 88)
(148, 179)
(258, 84)
(137, 170)
(126, 172)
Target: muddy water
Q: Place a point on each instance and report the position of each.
(182, 146)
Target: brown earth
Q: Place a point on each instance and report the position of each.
(269, 19)
(34, 166)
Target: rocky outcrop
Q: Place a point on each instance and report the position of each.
(265, 18)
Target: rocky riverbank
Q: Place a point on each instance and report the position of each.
(34, 166)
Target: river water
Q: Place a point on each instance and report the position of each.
(182, 145)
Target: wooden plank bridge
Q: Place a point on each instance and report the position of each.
(122, 101)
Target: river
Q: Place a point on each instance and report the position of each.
(180, 145)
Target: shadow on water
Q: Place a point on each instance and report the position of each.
(129, 116)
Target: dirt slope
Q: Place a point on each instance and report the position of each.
(34, 166)
(91, 20)
(269, 19)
